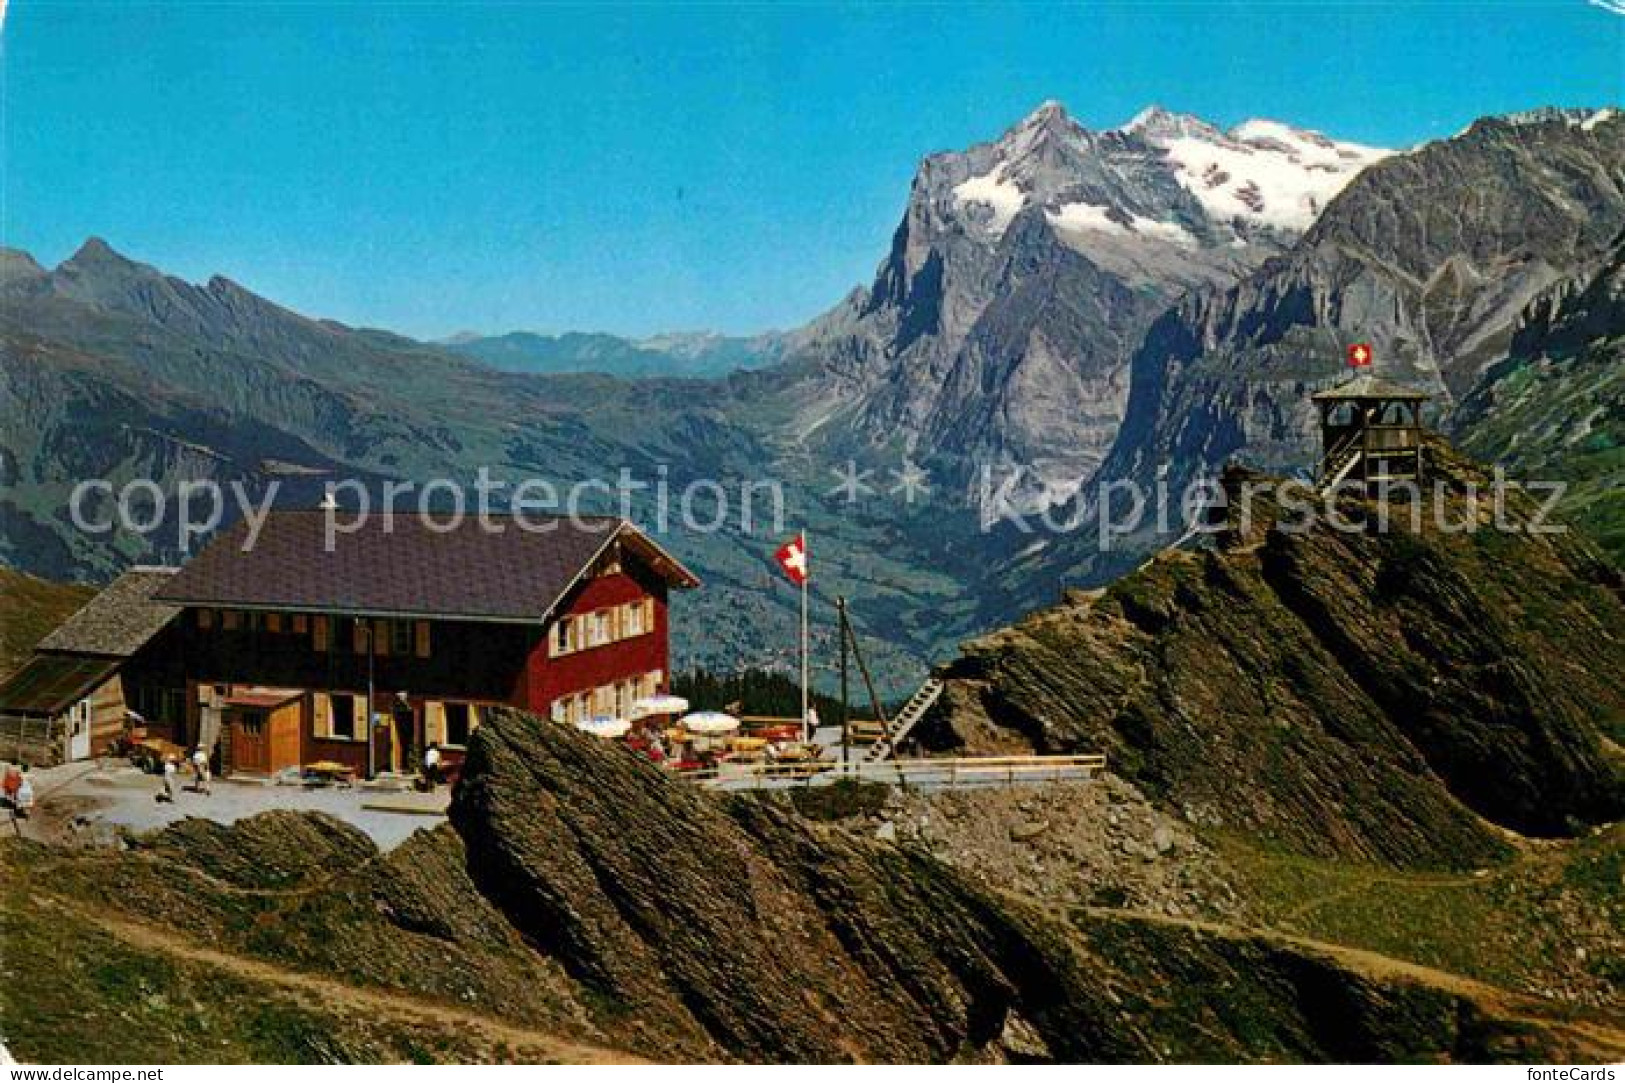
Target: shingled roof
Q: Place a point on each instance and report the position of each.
(404, 565)
(50, 683)
(118, 621)
(1366, 386)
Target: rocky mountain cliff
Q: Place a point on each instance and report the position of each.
(1430, 256)
(1399, 695)
(1554, 409)
(1025, 271)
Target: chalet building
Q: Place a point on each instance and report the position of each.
(70, 701)
(273, 652)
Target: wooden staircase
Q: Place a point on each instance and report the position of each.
(1340, 463)
(898, 728)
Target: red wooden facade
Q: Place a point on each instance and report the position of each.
(427, 673)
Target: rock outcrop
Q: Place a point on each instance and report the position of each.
(1360, 693)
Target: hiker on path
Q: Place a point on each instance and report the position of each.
(200, 771)
(431, 767)
(10, 784)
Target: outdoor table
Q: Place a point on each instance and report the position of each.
(330, 771)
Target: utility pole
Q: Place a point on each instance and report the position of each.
(372, 754)
(846, 711)
(806, 725)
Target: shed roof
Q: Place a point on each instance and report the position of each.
(1370, 387)
(118, 621)
(50, 683)
(405, 565)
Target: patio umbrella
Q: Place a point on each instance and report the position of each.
(709, 722)
(649, 705)
(604, 726)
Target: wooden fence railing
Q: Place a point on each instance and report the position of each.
(34, 741)
(962, 772)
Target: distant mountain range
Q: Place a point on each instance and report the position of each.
(1080, 306)
(694, 353)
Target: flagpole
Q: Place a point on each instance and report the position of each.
(807, 557)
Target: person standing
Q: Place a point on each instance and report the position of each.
(24, 799)
(431, 767)
(200, 771)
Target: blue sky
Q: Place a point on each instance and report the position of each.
(433, 168)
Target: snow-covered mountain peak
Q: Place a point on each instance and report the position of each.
(1154, 122)
(1262, 176)
(1262, 172)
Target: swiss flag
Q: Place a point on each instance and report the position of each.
(1359, 355)
(792, 557)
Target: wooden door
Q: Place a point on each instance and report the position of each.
(79, 731)
(250, 742)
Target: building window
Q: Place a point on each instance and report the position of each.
(321, 635)
(457, 723)
(421, 637)
(400, 637)
(638, 618)
(600, 629)
(563, 636)
(301, 624)
(230, 620)
(205, 618)
(273, 623)
(341, 716)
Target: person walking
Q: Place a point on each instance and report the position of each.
(167, 795)
(200, 771)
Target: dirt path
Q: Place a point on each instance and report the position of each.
(1606, 1039)
(527, 1045)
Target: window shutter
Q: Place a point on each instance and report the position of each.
(360, 717)
(422, 639)
(273, 622)
(358, 636)
(320, 635)
(434, 722)
(228, 619)
(301, 624)
(322, 707)
(380, 637)
(205, 618)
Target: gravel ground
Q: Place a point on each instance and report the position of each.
(1093, 844)
(88, 803)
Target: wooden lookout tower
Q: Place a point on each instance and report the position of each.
(1370, 429)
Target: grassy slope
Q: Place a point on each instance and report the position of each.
(1548, 921)
(29, 608)
(154, 996)
(1564, 421)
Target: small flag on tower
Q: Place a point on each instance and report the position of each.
(1359, 355)
(792, 557)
